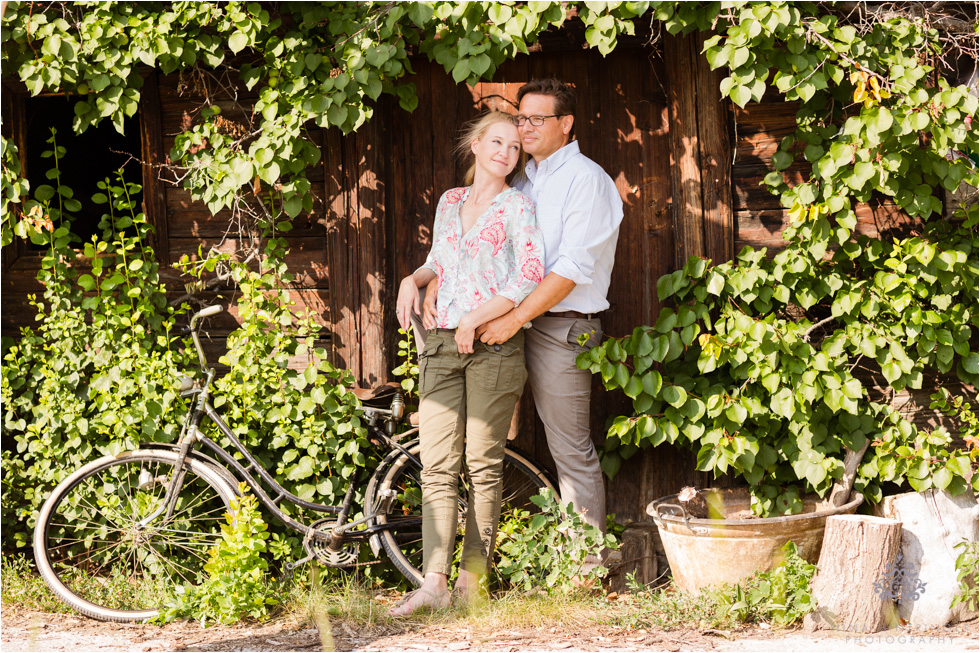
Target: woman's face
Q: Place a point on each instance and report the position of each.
(498, 150)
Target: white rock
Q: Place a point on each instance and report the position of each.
(933, 522)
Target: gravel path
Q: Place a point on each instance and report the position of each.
(33, 631)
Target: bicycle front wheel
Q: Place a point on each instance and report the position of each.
(402, 522)
(95, 549)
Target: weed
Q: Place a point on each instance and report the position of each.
(22, 586)
(966, 575)
(347, 603)
(668, 608)
(238, 584)
(548, 550)
(780, 596)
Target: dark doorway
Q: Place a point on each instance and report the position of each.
(89, 157)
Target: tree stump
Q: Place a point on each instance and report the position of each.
(853, 589)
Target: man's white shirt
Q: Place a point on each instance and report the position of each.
(579, 211)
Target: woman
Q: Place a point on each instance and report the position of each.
(486, 257)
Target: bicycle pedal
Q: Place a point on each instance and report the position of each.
(302, 561)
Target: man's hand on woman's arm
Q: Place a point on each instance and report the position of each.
(549, 292)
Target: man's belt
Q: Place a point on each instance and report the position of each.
(571, 314)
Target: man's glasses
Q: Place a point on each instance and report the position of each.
(537, 121)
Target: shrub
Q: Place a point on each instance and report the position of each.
(238, 584)
(967, 569)
(98, 373)
(780, 596)
(547, 550)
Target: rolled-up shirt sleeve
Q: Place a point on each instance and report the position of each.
(524, 237)
(592, 215)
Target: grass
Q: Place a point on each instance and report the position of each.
(356, 604)
(20, 585)
(667, 608)
(347, 605)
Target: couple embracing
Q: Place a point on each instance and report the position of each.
(517, 273)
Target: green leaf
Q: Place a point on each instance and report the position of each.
(610, 463)
(941, 478)
(782, 403)
(675, 395)
(461, 71)
(652, 382)
(736, 412)
(741, 95)
(237, 42)
(633, 387)
(716, 283)
(781, 160)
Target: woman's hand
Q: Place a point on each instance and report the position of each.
(430, 313)
(465, 333)
(408, 301)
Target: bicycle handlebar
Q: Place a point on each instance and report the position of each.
(206, 312)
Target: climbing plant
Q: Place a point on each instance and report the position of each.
(768, 366)
(759, 357)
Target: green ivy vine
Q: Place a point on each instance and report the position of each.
(755, 362)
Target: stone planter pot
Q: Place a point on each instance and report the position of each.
(706, 552)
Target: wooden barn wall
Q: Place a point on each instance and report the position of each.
(649, 116)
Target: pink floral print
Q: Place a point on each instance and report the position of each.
(501, 255)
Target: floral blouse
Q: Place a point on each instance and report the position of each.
(501, 254)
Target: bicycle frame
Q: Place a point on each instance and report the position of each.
(192, 436)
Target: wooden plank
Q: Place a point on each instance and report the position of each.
(635, 110)
(764, 116)
(680, 57)
(374, 274)
(412, 177)
(190, 219)
(766, 226)
(340, 244)
(716, 161)
(355, 170)
(154, 191)
(306, 257)
(15, 128)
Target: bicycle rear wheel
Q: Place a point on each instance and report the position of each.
(93, 551)
(402, 537)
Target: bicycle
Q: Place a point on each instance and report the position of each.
(148, 516)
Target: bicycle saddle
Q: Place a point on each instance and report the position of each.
(378, 397)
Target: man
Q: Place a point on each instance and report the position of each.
(579, 211)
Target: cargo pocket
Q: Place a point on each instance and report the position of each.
(505, 371)
(428, 366)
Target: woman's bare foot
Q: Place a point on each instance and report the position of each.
(433, 595)
(467, 588)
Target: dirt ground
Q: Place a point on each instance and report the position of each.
(34, 631)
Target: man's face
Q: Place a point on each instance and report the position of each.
(544, 140)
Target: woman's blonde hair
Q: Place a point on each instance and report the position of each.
(473, 131)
